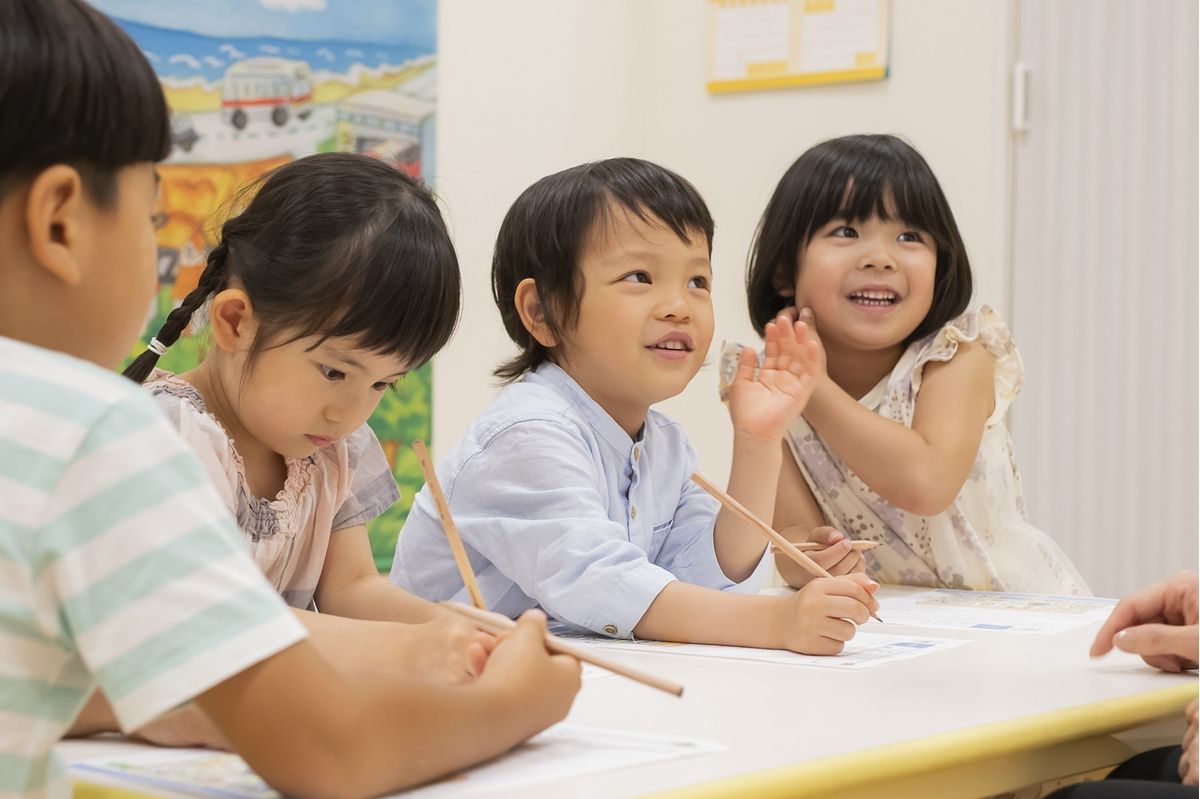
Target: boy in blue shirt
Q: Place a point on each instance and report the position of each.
(569, 492)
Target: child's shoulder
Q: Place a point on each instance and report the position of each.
(981, 328)
(527, 404)
(74, 391)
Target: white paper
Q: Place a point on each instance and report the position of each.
(1039, 614)
(865, 650)
(558, 753)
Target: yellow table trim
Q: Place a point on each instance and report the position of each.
(844, 773)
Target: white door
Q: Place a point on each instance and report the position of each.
(1104, 282)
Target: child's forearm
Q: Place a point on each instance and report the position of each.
(374, 597)
(897, 462)
(693, 614)
(311, 731)
(753, 481)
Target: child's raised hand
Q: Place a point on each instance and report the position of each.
(837, 557)
(763, 408)
(539, 686)
(824, 613)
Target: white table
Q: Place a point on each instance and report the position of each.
(998, 713)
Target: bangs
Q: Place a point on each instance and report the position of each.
(396, 293)
(887, 189)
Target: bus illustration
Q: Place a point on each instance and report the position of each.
(394, 127)
(265, 88)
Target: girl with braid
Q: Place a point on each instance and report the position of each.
(336, 279)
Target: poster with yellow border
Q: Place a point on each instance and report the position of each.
(775, 44)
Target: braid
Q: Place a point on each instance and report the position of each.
(212, 280)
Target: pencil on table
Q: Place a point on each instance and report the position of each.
(456, 544)
(787, 547)
(496, 624)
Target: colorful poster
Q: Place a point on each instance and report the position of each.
(253, 84)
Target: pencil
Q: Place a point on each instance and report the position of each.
(787, 547)
(496, 624)
(808, 546)
(456, 544)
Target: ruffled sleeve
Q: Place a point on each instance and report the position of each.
(986, 327)
(372, 488)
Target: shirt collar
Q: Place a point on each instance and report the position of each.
(553, 376)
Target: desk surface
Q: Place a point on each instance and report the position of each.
(1004, 711)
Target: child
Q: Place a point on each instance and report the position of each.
(569, 492)
(119, 565)
(903, 440)
(335, 280)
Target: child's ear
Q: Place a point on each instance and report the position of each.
(231, 320)
(784, 282)
(57, 215)
(532, 312)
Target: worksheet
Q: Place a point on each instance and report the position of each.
(865, 650)
(1038, 614)
(562, 751)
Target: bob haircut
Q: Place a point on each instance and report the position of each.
(75, 90)
(854, 178)
(546, 229)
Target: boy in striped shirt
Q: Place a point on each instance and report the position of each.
(119, 567)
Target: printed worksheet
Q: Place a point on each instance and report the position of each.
(865, 650)
(562, 751)
(1038, 614)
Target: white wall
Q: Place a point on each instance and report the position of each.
(532, 86)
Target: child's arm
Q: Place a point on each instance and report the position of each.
(311, 730)
(922, 469)
(761, 410)
(816, 620)
(799, 518)
(429, 641)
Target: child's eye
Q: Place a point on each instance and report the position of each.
(911, 235)
(698, 282)
(384, 385)
(637, 277)
(330, 374)
(844, 232)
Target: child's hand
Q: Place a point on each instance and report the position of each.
(805, 315)
(837, 557)
(763, 409)
(447, 648)
(822, 616)
(539, 687)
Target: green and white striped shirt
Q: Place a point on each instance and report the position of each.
(119, 565)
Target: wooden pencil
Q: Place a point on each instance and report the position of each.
(809, 546)
(496, 624)
(787, 547)
(456, 545)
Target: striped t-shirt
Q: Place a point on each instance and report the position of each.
(119, 565)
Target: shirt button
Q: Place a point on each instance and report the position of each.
(610, 629)
(636, 453)
(633, 512)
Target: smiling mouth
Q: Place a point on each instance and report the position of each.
(875, 299)
(674, 346)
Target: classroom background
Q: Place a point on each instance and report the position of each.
(1064, 133)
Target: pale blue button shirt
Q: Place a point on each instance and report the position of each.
(560, 509)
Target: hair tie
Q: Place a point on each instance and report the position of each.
(157, 347)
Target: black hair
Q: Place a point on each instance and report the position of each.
(334, 245)
(546, 229)
(75, 89)
(854, 177)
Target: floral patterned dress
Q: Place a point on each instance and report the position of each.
(983, 541)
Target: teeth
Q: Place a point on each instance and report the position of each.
(671, 345)
(874, 297)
